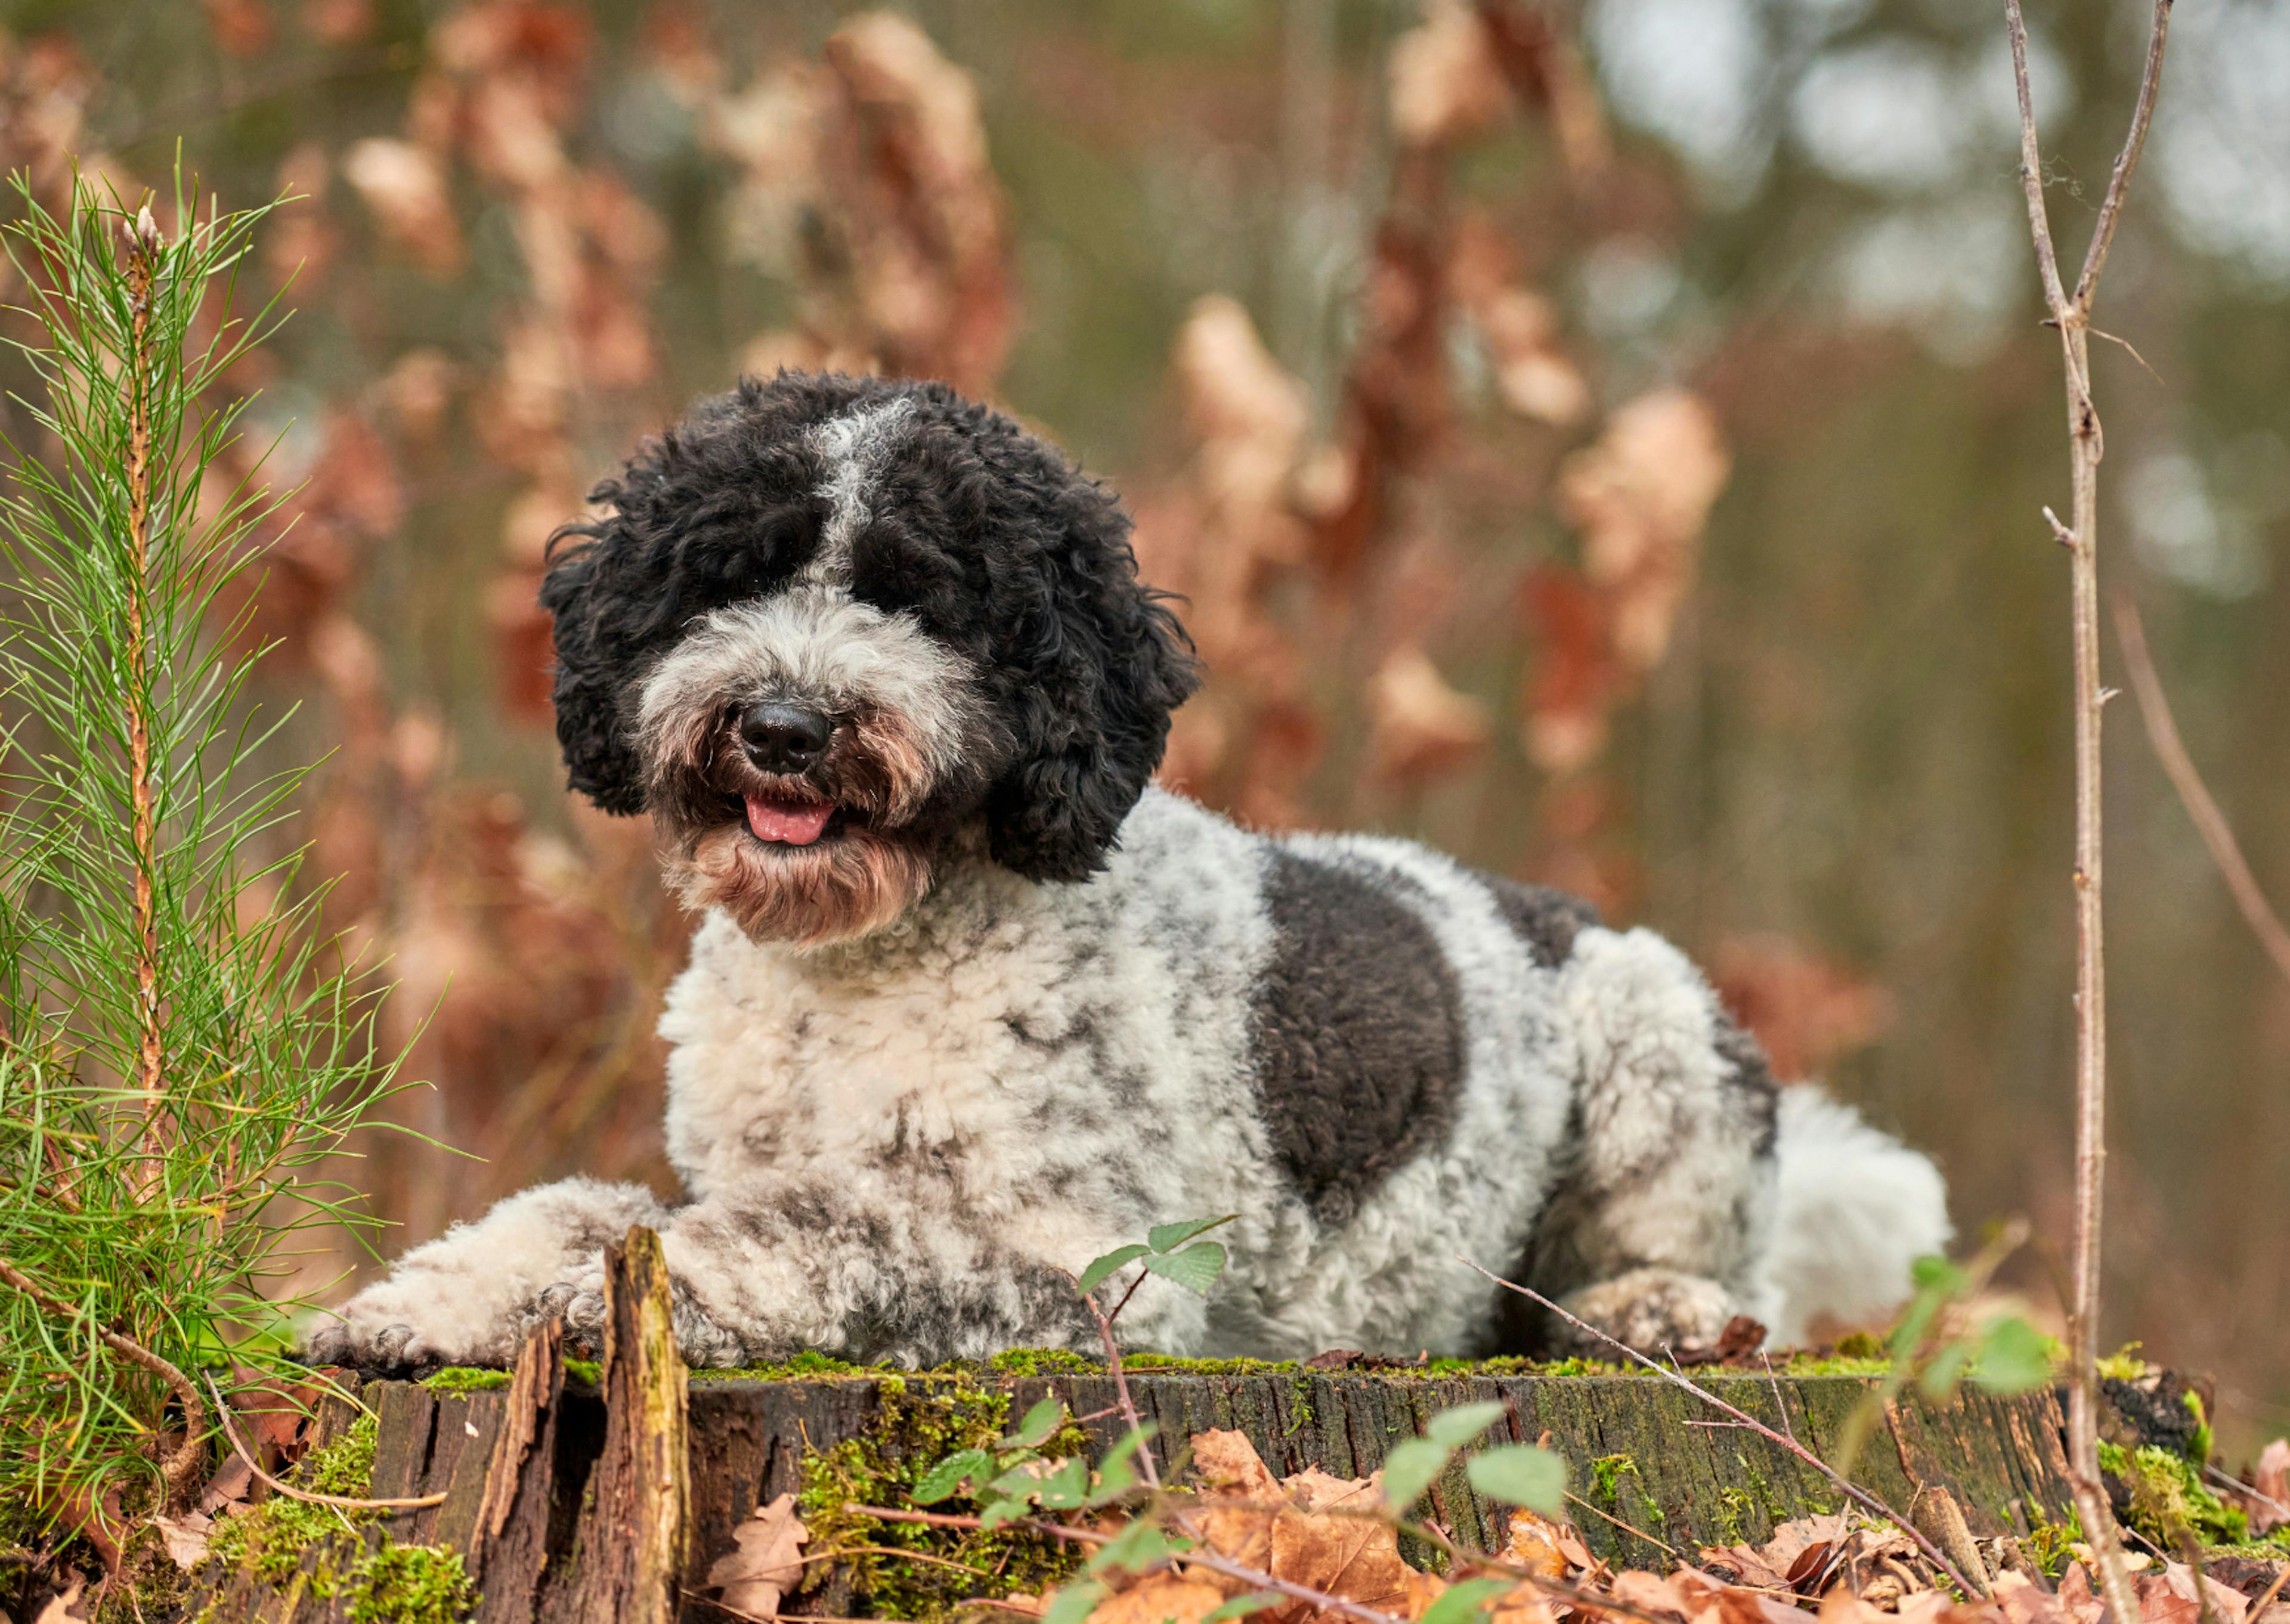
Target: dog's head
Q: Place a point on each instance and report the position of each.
(830, 626)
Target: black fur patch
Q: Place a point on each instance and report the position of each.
(1357, 1031)
(1750, 1082)
(1546, 920)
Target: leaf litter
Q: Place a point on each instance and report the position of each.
(1328, 1534)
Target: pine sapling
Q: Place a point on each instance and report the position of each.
(180, 1045)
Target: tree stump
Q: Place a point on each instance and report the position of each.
(612, 1501)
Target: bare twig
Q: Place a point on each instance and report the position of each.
(2210, 823)
(1121, 1380)
(414, 1502)
(2086, 447)
(1850, 1490)
(1609, 1516)
(181, 1470)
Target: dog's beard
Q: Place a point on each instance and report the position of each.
(844, 886)
(867, 865)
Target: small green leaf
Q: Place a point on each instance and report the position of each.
(1134, 1549)
(1196, 1268)
(1944, 1370)
(1168, 1237)
(1409, 1468)
(2014, 1357)
(1043, 1420)
(1067, 1489)
(1115, 1475)
(1522, 1474)
(1073, 1604)
(1463, 1424)
(1241, 1606)
(1460, 1603)
(1001, 1511)
(1934, 1273)
(944, 1478)
(1021, 1481)
(1094, 1274)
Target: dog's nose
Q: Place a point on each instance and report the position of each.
(784, 738)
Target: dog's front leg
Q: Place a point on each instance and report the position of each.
(470, 1296)
(764, 1269)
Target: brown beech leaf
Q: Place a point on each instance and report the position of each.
(185, 1537)
(763, 1567)
(1536, 1544)
(405, 186)
(1165, 1598)
(1446, 81)
(1421, 727)
(63, 1607)
(1641, 496)
(2272, 1482)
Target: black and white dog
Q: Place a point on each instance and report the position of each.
(973, 1002)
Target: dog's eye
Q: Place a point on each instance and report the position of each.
(893, 568)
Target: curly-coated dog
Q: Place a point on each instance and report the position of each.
(973, 1002)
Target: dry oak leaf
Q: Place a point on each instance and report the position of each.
(1165, 1598)
(764, 1566)
(63, 1607)
(1313, 1539)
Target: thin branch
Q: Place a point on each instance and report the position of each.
(1121, 1380)
(2087, 445)
(413, 1502)
(2210, 823)
(182, 1467)
(1850, 1490)
(2126, 162)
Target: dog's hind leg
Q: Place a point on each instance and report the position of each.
(1655, 1233)
(469, 1297)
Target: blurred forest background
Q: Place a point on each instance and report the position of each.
(1604, 440)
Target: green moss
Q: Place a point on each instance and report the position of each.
(465, 1378)
(2048, 1543)
(383, 1582)
(2169, 1498)
(411, 1584)
(1045, 1362)
(806, 1366)
(587, 1372)
(1300, 1403)
(1734, 1512)
(918, 1424)
(2125, 1364)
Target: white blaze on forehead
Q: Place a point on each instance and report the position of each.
(814, 646)
(853, 446)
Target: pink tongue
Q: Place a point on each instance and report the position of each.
(797, 823)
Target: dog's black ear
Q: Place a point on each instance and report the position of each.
(1097, 664)
(595, 640)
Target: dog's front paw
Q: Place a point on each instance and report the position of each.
(699, 1338)
(372, 1349)
(1649, 1309)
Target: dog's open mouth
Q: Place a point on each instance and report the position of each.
(787, 820)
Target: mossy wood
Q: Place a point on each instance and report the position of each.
(562, 1508)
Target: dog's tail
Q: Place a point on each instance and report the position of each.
(1855, 1208)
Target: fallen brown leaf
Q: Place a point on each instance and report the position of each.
(186, 1538)
(2272, 1482)
(1165, 1598)
(762, 1566)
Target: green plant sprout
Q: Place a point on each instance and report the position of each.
(179, 1043)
